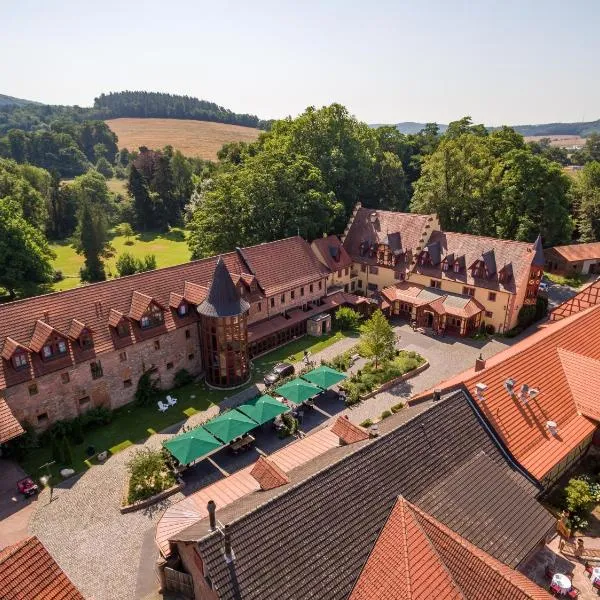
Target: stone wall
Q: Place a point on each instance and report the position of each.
(121, 370)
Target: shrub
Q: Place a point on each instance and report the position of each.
(57, 276)
(347, 319)
(541, 307)
(397, 407)
(149, 474)
(18, 447)
(578, 496)
(94, 417)
(490, 329)
(182, 377)
(290, 426)
(126, 264)
(146, 389)
(67, 453)
(526, 315)
(148, 263)
(386, 413)
(77, 431)
(352, 395)
(514, 332)
(366, 423)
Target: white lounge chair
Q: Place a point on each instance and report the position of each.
(162, 407)
(172, 401)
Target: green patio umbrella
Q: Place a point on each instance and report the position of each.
(263, 409)
(191, 445)
(324, 376)
(230, 425)
(298, 390)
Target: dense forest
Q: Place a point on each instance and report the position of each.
(31, 116)
(303, 176)
(170, 106)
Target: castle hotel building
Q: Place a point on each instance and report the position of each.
(65, 352)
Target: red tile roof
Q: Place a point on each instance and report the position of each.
(575, 252)
(375, 225)
(332, 244)
(268, 474)
(9, 348)
(560, 361)
(281, 265)
(285, 263)
(519, 255)
(28, 572)
(139, 305)
(76, 329)
(115, 317)
(348, 432)
(9, 426)
(417, 558)
(586, 297)
(41, 332)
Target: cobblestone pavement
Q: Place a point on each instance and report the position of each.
(105, 553)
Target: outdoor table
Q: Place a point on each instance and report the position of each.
(562, 582)
(242, 442)
(595, 574)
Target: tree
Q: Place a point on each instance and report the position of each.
(148, 263)
(143, 205)
(347, 318)
(586, 200)
(25, 256)
(126, 230)
(103, 167)
(126, 264)
(578, 496)
(92, 238)
(377, 338)
(67, 452)
(62, 209)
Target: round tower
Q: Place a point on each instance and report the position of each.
(224, 332)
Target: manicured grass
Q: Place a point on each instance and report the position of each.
(574, 281)
(134, 424)
(170, 248)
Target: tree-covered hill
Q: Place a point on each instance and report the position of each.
(11, 101)
(170, 106)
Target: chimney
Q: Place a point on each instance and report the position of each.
(480, 363)
(47, 316)
(227, 545)
(437, 394)
(211, 507)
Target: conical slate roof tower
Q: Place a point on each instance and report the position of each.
(223, 298)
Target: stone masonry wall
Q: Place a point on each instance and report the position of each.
(59, 400)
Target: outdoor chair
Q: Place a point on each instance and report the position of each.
(554, 589)
(162, 407)
(588, 568)
(171, 401)
(573, 593)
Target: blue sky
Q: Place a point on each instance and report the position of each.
(527, 61)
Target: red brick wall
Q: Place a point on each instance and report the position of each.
(61, 400)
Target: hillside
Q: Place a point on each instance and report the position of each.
(193, 138)
(12, 101)
(544, 130)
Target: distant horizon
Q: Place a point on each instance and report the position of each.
(91, 103)
(387, 61)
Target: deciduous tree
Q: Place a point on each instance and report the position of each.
(377, 338)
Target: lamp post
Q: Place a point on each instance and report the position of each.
(47, 479)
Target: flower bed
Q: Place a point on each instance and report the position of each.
(370, 380)
(150, 474)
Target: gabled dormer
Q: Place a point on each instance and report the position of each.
(118, 321)
(48, 342)
(81, 334)
(505, 274)
(147, 311)
(16, 354)
(484, 267)
(194, 293)
(179, 304)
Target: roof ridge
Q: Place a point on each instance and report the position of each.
(480, 555)
(9, 551)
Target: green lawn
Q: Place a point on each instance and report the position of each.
(134, 424)
(170, 248)
(574, 281)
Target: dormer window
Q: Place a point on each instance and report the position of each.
(122, 329)
(456, 267)
(19, 360)
(153, 318)
(182, 311)
(54, 349)
(445, 266)
(86, 342)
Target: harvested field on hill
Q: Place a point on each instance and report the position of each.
(563, 141)
(193, 138)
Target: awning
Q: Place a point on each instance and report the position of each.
(298, 391)
(230, 425)
(263, 409)
(324, 376)
(192, 445)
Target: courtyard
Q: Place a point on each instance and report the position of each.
(88, 536)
